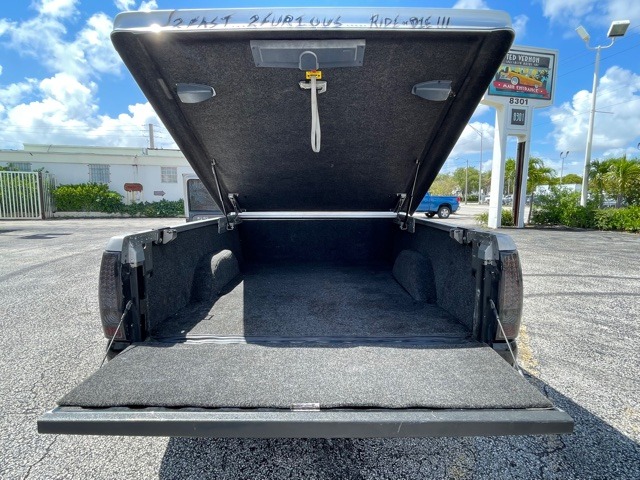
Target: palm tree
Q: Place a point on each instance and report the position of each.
(539, 174)
(509, 174)
(622, 174)
(598, 178)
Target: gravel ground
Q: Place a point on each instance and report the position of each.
(582, 304)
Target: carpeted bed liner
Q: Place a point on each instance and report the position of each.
(256, 376)
(313, 300)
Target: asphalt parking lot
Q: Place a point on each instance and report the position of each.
(580, 346)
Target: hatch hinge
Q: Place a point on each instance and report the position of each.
(233, 218)
(402, 197)
(406, 222)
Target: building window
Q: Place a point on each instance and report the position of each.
(20, 166)
(99, 174)
(169, 174)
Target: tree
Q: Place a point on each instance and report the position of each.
(598, 178)
(622, 174)
(633, 196)
(444, 184)
(539, 174)
(570, 179)
(459, 176)
(486, 180)
(509, 175)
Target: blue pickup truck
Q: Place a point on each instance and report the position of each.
(438, 204)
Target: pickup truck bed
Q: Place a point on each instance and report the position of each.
(312, 300)
(319, 320)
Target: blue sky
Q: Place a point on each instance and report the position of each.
(61, 82)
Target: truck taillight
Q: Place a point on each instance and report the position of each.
(510, 295)
(110, 295)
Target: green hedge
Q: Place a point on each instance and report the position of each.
(163, 208)
(87, 197)
(627, 219)
(506, 220)
(563, 208)
(96, 197)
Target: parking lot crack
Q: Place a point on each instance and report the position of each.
(47, 450)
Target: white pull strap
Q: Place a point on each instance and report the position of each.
(315, 118)
(316, 87)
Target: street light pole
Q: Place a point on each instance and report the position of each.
(480, 170)
(466, 182)
(563, 155)
(592, 115)
(617, 29)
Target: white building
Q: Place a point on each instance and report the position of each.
(158, 172)
(566, 187)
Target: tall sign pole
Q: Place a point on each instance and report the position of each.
(524, 81)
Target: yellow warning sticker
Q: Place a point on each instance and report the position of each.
(314, 73)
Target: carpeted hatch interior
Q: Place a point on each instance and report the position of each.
(312, 300)
(259, 376)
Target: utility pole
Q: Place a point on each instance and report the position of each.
(151, 141)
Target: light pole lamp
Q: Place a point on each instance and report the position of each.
(617, 29)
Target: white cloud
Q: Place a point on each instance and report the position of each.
(520, 26)
(0, 69)
(558, 10)
(124, 4)
(618, 93)
(57, 8)
(624, 9)
(65, 111)
(470, 142)
(64, 108)
(44, 38)
(472, 4)
(15, 93)
(95, 42)
(594, 12)
(145, 5)
(148, 5)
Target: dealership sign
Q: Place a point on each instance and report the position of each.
(525, 77)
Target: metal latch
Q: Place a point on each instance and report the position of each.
(458, 235)
(487, 252)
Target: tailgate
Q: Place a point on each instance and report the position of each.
(262, 390)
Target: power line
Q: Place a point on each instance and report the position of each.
(602, 59)
(575, 114)
(80, 128)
